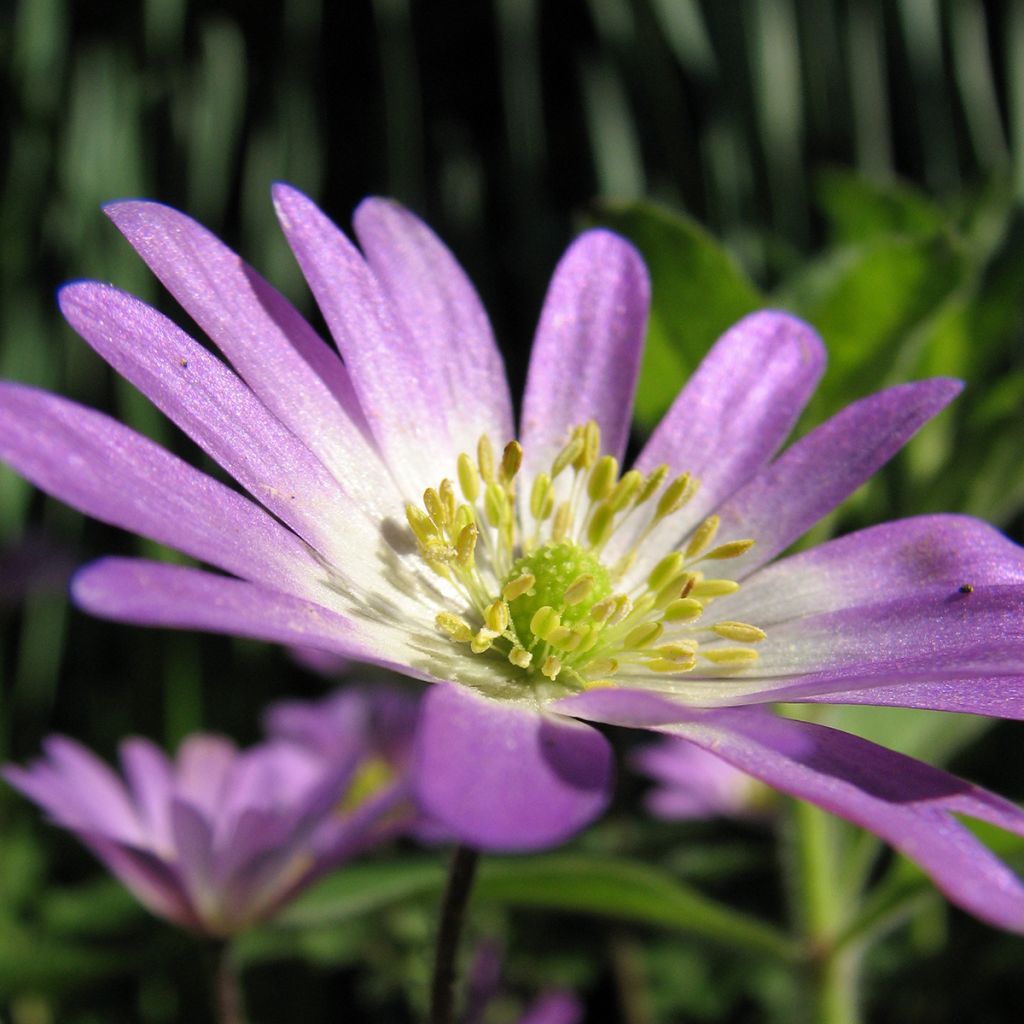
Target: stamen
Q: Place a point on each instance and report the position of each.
(511, 460)
(732, 549)
(580, 589)
(519, 586)
(741, 631)
(730, 655)
(469, 479)
(485, 458)
(702, 537)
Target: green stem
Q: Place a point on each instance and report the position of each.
(830, 974)
(453, 912)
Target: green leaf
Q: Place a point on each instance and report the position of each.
(698, 290)
(602, 886)
(858, 209)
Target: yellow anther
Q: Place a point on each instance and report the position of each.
(731, 549)
(741, 631)
(702, 537)
(563, 638)
(435, 507)
(599, 684)
(469, 479)
(447, 494)
(563, 521)
(665, 571)
(436, 550)
(588, 632)
(680, 650)
(496, 616)
(485, 458)
(714, 588)
(552, 666)
(623, 606)
(495, 503)
(520, 657)
(542, 498)
(465, 546)
(676, 587)
(568, 455)
(675, 496)
(519, 586)
(545, 621)
(603, 609)
(455, 627)
(643, 635)
(599, 529)
(683, 609)
(604, 667)
(652, 484)
(602, 478)
(511, 460)
(580, 589)
(624, 564)
(420, 524)
(482, 641)
(625, 490)
(730, 655)
(591, 438)
(667, 665)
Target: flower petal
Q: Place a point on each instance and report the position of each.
(108, 471)
(554, 1008)
(271, 345)
(883, 562)
(404, 392)
(442, 312)
(502, 776)
(822, 469)
(586, 353)
(739, 406)
(221, 414)
(908, 803)
(990, 695)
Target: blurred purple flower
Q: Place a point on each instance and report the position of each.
(694, 784)
(543, 587)
(219, 839)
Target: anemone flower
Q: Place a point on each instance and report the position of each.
(393, 519)
(219, 839)
(693, 784)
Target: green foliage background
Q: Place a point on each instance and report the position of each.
(859, 162)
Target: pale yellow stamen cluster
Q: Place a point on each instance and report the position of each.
(539, 589)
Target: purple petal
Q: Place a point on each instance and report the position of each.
(586, 353)
(505, 776)
(273, 348)
(892, 560)
(107, 471)
(822, 469)
(908, 803)
(404, 393)
(442, 312)
(739, 406)
(554, 1008)
(202, 773)
(991, 696)
(221, 414)
(149, 775)
(153, 594)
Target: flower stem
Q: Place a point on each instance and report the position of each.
(461, 873)
(830, 974)
(460, 883)
(228, 987)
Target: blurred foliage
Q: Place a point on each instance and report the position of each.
(859, 162)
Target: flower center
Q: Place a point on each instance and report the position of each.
(535, 577)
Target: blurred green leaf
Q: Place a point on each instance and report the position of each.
(859, 209)
(698, 290)
(614, 888)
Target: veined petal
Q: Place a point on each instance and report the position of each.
(503, 776)
(881, 563)
(221, 414)
(814, 475)
(266, 339)
(586, 353)
(443, 315)
(909, 804)
(149, 775)
(404, 393)
(109, 472)
(739, 406)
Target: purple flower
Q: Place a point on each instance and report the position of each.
(218, 839)
(695, 784)
(395, 521)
